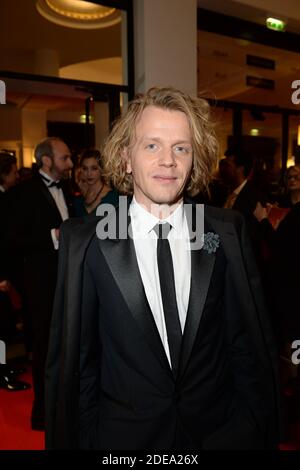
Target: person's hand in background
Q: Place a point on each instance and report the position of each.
(262, 212)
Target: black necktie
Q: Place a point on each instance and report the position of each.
(168, 293)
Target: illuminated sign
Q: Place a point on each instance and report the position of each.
(275, 24)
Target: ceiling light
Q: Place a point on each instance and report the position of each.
(275, 24)
(254, 132)
(78, 13)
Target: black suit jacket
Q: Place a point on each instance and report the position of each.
(31, 216)
(245, 203)
(109, 384)
(3, 256)
(284, 273)
(7, 321)
(247, 199)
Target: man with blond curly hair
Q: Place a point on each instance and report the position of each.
(160, 338)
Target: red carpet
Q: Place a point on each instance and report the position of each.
(15, 431)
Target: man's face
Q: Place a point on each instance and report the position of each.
(231, 174)
(228, 171)
(293, 179)
(61, 164)
(11, 178)
(161, 157)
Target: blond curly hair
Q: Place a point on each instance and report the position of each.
(204, 142)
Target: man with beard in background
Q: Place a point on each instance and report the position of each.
(39, 206)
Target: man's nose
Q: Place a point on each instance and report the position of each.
(167, 157)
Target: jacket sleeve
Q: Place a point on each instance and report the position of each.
(252, 419)
(268, 346)
(26, 230)
(89, 369)
(70, 405)
(55, 357)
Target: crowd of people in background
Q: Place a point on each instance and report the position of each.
(273, 220)
(35, 201)
(32, 212)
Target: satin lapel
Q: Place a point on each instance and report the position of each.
(121, 258)
(48, 196)
(202, 264)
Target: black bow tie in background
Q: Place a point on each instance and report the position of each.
(55, 183)
(52, 184)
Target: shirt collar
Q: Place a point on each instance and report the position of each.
(50, 180)
(2, 189)
(239, 188)
(145, 221)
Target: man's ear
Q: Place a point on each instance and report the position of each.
(46, 161)
(127, 159)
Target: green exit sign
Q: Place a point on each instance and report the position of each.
(275, 24)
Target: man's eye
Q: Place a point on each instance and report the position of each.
(151, 146)
(180, 149)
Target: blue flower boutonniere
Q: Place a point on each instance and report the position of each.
(211, 242)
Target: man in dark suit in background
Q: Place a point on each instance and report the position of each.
(8, 179)
(246, 192)
(8, 172)
(39, 206)
(235, 171)
(159, 341)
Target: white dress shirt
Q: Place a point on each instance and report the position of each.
(145, 243)
(59, 198)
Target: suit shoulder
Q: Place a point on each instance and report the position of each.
(31, 183)
(224, 215)
(78, 224)
(27, 187)
(72, 223)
